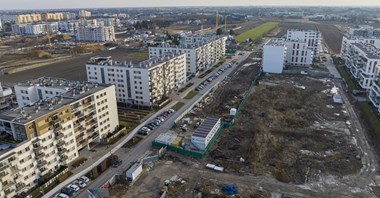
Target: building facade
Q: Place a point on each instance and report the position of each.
(96, 34)
(205, 132)
(144, 83)
(44, 136)
(28, 18)
(298, 53)
(311, 38)
(274, 53)
(7, 99)
(199, 56)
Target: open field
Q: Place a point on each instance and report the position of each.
(286, 25)
(73, 68)
(332, 36)
(300, 140)
(257, 32)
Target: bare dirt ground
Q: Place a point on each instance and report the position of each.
(72, 69)
(290, 129)
(332, 36)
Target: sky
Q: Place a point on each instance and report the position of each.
(52, 4)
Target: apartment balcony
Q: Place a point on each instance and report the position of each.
(60, 143)
(41, 163)
(19, 186)
(37, 149)
(8, 185)
(63, 158)
(62, 150)
(59, 135)
(374, 98)
(8, 191)
(40, 155)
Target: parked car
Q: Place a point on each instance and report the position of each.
(80, 183)
(171, 110)
(85, 179)
(140, 132)
(117, 163)
(61, 195)
(74, 187)
(68, 191)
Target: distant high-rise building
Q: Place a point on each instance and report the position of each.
(96, 34)
(84, 13)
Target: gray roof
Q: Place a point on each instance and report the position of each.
(204, 129)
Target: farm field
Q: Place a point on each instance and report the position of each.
(332, 36)
(256, 32)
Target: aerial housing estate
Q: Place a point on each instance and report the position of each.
(360, 52)
(298, 48)
(144, 83)
(201, 51)
(57, 119)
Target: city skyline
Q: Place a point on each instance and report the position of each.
(44, 4)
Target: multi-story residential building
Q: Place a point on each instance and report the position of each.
(53, 16)
(18, 28)
(199, 55)
(298, 53)
(1, 25)
(69, 15)
(144, 83)
(362, 59)
(311, 38)
(274, 52)
(84, 13)
(363, 31)
(38, 139)
(28, 18)
(35, 29)
(374, 92)
(96, 34)
(7, 99)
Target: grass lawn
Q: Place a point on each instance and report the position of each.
(177, 106)
(257, 32)
(139, 54)
(370, 117)
(350, 83)
(191, 94)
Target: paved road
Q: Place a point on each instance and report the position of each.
(143, 146)
(331, 66)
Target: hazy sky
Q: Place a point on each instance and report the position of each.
(42, 4)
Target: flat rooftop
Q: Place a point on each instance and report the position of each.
(75, 91)
(204, 129)
(276, 42)
(5, 147)
(189, 46)
(107, 61)
(366, 48)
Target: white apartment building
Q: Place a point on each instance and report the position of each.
(298, 53)
(35, 29)
(7, 99)
(38, 139)
(199, 56)
(362, 59)
(274, 52)
(1, 25)
(312, 38)
(96, 34)
(205, 132)
(374, 92)
(363, 31)
(69, 15)
(142, 84)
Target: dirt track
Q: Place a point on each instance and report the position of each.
(332, 35)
